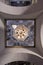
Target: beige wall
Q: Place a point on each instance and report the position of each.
(41, 34)
(1, 35)
(39, 40)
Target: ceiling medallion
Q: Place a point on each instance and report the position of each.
(20, 32)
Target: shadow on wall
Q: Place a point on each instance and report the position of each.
(19, 63)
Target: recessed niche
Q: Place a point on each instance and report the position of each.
(20, 33)
(20, 2)
(19, 63)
